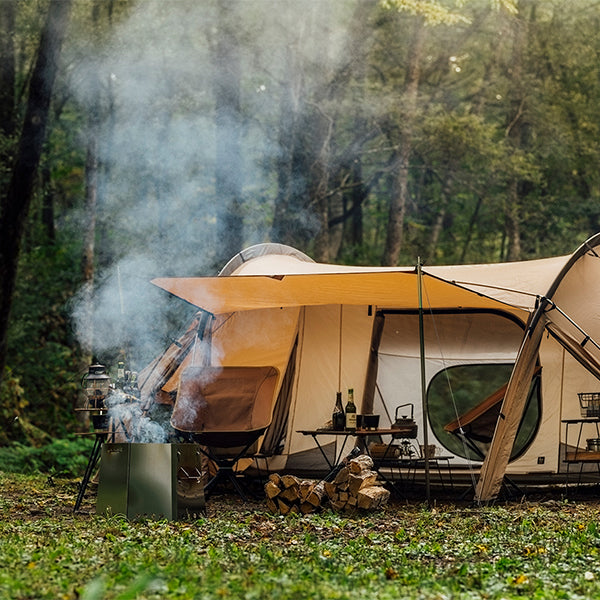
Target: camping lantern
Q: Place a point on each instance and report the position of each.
(97, 386)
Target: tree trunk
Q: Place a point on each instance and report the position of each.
(228, 170)
(512, 224)
(399, 196)
(319, 184)
(16, 200)
(516, 131)
(290, 219)
(48, 204)
(7, 67)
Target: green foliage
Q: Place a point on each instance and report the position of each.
(435, 13)
(42, 352)
(61, 457)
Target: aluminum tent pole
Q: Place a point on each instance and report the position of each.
(423, 381)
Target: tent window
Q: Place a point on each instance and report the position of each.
(470, 396)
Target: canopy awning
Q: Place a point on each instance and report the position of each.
(396, 289)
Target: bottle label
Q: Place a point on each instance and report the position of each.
(350, 420)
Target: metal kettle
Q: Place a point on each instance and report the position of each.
(405, 427)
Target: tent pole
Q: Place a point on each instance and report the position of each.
(423, 381)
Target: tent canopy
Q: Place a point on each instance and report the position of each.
(382, 289)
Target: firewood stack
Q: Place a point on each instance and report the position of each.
(288, 494)
(355, 487)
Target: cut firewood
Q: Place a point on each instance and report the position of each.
(271, 490)
(360, 480)
(361, 463)
(372, 497)
(315, 497)
(330, 488)
(284, 507)
(289, 480)
(306, 508)
(354, 486)
(305, 489)
(290, 494)
(342, 476)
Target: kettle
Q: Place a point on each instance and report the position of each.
(405, 427)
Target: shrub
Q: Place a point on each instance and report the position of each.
(62, 457)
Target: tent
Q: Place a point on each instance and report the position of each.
(327, 328)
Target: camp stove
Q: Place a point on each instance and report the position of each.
(157, 480)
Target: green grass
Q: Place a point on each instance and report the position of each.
(543, 550)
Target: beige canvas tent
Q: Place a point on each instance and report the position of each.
(326, 328)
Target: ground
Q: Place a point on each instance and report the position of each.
(30, 497)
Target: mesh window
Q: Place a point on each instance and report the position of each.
(465, 425)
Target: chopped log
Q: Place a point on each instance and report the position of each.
(360, 480)
(306, 508)
(289, 480)
(283, 507)
(290, 494)
(338, 505)
(342, 476)
(330, 488)
(372, 497)
(272, 505)
(317, 492)
(271, 489)
(361, 463)
(305, 489)
(275, 478)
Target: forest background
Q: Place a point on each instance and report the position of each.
(173, 134)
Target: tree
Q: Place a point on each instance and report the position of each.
(228, 121)
(7, 67)
(403, 154)
(16, 199)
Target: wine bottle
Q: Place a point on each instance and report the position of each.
(338, 419)
(350, 411)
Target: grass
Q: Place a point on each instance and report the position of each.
(524, 550)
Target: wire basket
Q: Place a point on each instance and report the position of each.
(590, 404)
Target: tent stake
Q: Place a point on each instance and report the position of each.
(423, 382)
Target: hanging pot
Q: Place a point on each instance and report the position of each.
(405, 427)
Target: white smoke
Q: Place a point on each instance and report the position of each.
(157, 148)
(130, 421)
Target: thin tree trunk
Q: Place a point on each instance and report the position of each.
(438, 223)
(399, 198)
(7, 66)
(512, 223)
(228, 173)
(516, 132)
(48, 204)
(470, 230)
(319, 182)
(291, 178)
(15, 202)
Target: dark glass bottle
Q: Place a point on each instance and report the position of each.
(339, 418)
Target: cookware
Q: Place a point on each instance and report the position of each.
(405, 426)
